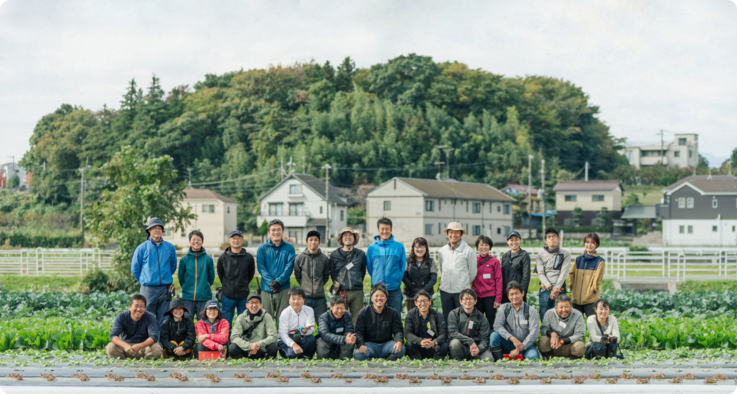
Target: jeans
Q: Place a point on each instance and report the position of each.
(156, 302)
(229, 306)
(507, 346)
(379, 350)
(546, 303)
(307, 343)
(416, 352)
(394, 301)
(449, 301)
(318, 305)
(194, 308)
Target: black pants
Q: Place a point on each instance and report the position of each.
(449, 301)
(416, 352)
(235, 352)
(587, 309)
(485, 305)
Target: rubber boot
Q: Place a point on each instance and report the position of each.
(546, 355)
(497, 353)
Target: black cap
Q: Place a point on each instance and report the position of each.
(253, 295)
(313, 233)
(513, 232)
(235, 232)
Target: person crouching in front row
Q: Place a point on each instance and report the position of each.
(254, 334)
(469, 330)
(177, 332)
(296, 327)
(562, 331)
(212, 330)
(425, 330)
(135, 333)
(337, 336)
(379, 332)
(516, 327)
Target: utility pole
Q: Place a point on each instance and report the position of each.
(189, 170)
(529, 196)
(447, 157)
(327, 168)
(440, 158)
(729, 165)
(290, 165)
(304, 165)
(281, 169)
(587, 171)
(81, 196)
(662, 144)
(545, 210)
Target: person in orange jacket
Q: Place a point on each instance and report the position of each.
(213, 331)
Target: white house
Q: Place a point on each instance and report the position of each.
(700, 210)
(424, 207)
(683, 152)
(299, 201)
(216, 217)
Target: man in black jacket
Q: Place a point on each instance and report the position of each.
(349, 274)
(469, 330)
(177, 334)
(379, 329)
(312, 271)
(236, 268)
(425, 330)
(515, 266)
(337, 337)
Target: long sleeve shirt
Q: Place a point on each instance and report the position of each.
(515, 324)
(469, 328)
(571, 329)
(595, 334)
(375, 327)
(290, 320)
(457, 267)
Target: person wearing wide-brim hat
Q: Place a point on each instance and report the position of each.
(457, 263)
(347, 270)
(153, 265)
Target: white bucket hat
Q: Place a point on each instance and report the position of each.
(455, 226)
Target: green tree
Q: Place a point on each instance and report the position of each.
(602, 217)
(632, 199)
(263, 228)
(13, 182)
(356, 215)
(577, 216)
(139, 189)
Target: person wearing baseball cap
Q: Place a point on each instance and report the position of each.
(236, 269)
(254, 333)
(515, 266)
(212, 330)
(457, 263)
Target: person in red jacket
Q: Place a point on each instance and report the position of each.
(212, 330)
(488, 282)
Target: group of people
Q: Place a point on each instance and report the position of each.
(485, 314)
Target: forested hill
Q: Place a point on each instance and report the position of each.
(370, 124)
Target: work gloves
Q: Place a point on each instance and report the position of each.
(275, 286)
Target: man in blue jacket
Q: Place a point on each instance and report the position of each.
(153, 265)
(386, 261)
(275, 262)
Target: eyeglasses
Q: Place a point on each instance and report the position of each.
(422, 302)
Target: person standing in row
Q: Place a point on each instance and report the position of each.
(552, 266)
(457, 262)
(236, 269)
(586, 274)
(275, 259)
(488, 282)
(421, 273)
(386, 261)
(196, 275)
(312, 271)
(515, 266)
(153, 265)
(347, 270)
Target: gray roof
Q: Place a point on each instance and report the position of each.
(587, 186)
(456, 189)
(314, 184)
(708, 184)
(195, 194)
(640, 212)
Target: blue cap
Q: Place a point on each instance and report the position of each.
(235, 232)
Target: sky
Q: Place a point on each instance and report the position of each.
(648, 65)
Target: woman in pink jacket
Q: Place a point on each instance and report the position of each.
(212, 330)
(488, 282)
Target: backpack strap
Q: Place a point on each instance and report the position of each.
(527, 312)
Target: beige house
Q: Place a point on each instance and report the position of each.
(216, 217)
(591, 197)
(424, 207)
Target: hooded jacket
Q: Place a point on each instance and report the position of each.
(236, 271)
(177, 331)
(458, 328)
(275, 263)
(196, 275)
(154, 265)
(571, 329)
(515, 267)
(552, 267)
(312, 271)
(420, 275)
(386, 262)
(586, 275)
(457, 267)
(353, 279)
(264, 334)
(218, 332)
(413, 329)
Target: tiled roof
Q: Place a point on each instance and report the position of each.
(202, 194)
(585, 186)
(455, 189)
(708, 184)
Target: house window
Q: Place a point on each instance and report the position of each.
(295, 189)
(208, 208)
(681, 202)
(681, 229)
(537, 205)
(321, 209)
(507, 209)
(714, 203)
(499, 230)
(491, 206)
(507, 230)
(296, 209)
(677, 153)
(429, 205)
(690, 229)
(183, 235)
(689, 202)
(733, 228)
(466, 206)
(570, 198)
(296, 235)
(498, 208)
(440, 228)
(440, 205)
(341, 215)
(228, 209)
(387, 205)
(477, 207)
(428, 229)
(275, 209)
(681, 141)
(476, 230)
(713, 229)
(597, 197)
(690, 154)
(167, 233)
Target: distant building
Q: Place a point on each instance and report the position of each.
(700, 210)
(299, 201)
(683, 152)
(536, 201)
(424, 207)
(10, 169)
(591, 197)
(216, 217)
(3, 181)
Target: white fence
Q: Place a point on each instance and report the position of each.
(665, 263)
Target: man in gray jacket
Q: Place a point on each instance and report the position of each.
(552, 268)
(457, 262)
(516, 327)
(312, 271)
(563, 331)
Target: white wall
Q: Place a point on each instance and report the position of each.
(703, 233)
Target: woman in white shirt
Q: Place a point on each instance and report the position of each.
(603, 332)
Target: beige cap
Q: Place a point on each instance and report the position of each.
(455, 226)
(356, 235)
